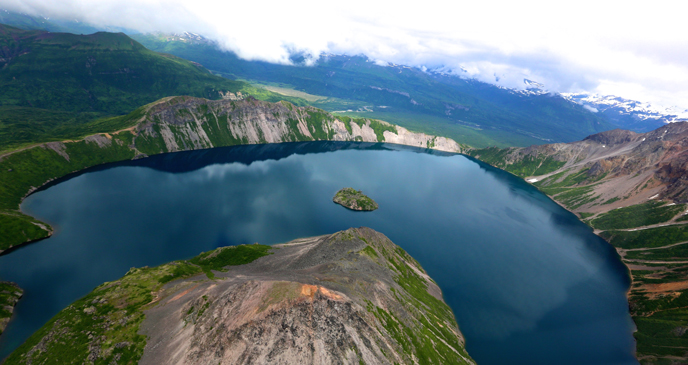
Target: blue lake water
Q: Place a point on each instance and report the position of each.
(528, 282)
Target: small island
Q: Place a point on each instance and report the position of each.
(354, 200)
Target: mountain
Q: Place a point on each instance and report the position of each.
(629, 114)
(466, 110)
(54, 85)
(348, 298)
(30, 22)
(177, 124)
(632, 189)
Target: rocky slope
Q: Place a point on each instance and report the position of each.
(620, 167)
(351, 297)
(178, 124)
(632, 188)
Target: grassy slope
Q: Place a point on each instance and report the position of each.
(55, 86)
(660, 317)
(9, 295)
(106, 321)
(426, 342)
(528, 166)
(460, 107)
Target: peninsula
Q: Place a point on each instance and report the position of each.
(348, 297)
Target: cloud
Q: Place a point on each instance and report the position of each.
(567, 47)
(592, 109)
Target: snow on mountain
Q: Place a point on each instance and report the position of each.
(610, 104)
(532, 88)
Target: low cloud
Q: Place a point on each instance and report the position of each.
(569, 49)
(594, 110)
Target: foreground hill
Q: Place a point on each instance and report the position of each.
(53, 85)
(347, 298)
(632, 189)
(179, 124)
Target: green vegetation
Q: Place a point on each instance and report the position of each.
(651, 237)
(228, 256)
(663, 334)
(529, 165)
(612, 200)
(103, 326)
(9, 295)
(25, 170)
(426, 342)
(679, 252)
(652, 212)
(354, 199)
(16, 228)
(56, 86)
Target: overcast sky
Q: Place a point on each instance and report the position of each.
(633, 49)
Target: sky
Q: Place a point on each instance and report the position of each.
(633, 49)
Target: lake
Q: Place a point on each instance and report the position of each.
(528, 282)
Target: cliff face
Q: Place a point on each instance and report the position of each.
(185, 123)
(344, 298)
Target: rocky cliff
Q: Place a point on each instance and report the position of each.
(347, 298)
(186, 123)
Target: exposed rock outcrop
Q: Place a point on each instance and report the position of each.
(341, 298)
(347, 298)
(186, 123)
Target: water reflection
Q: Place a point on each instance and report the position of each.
(522, 275)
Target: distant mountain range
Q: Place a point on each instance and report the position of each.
(430, 101)
(433, 102)
(630, 114)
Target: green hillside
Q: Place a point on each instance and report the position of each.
(53, 85)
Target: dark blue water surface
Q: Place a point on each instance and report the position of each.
(528, 282)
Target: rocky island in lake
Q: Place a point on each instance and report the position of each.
(354, 200)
